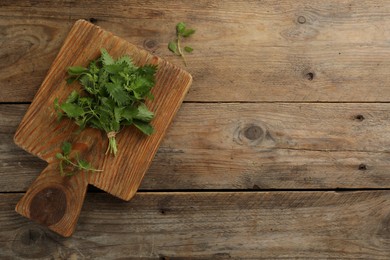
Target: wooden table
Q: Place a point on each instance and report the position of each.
(281, 149)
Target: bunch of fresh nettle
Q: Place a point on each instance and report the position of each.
(113, 95)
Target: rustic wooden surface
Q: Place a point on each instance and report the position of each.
(288, 96)
(212, 225)
(56, 201)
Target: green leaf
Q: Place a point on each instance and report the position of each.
(148, 70)
(106, 58)
(59, 156)
(129, 113)
(95, 123)
(144, 114)
(118, 113)
(117, 93)
(72, 110)
(81, 122)
(188, 49)
(93, 67)
(76, 70)
(145, 128)
(172, 47)
(127, 60)
(188, 32)
(127, 122)
(72, 97)
(88, 83)
(66, 148)
(115, 68)
(84, 164)
(180, 28)
(85, 101)
(115, 126)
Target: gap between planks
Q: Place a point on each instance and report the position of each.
(94, 190)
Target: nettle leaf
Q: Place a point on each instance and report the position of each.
(144, 114)
(118, 111)
(66, 148)
(95, 123)
(180, 28)
(117, 80)
(83, 164)
(129, 113)
(188, 49)
(88, 83)
(172, 46)
(85, 101)
(188, 32)
(93, 67)
(142, 85)
(145, 128)
(115, 68)
(138, 95)
(117, 93)
(106, 57)
(148, 70)
(59, 156)
(72, 97)
(72, 110)
(76, 70)
(115, 126)
(127, 60)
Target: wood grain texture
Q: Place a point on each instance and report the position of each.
(41, 134)
(289, 52)
(244, 51)
(249, 146)
(251, 225)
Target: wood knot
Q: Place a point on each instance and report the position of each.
(48, 206)
(92, 20)
(250, 134)
(301, 19)
(359, 117)
(150, 45)
(362, 167)
(310, 75)
(253, 132)
(31, 242)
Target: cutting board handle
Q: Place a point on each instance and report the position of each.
(54, 200)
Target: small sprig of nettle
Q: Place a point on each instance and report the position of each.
(69, 165)
(113, 95)
(175, 46)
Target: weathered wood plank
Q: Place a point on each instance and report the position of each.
(244, 51)
(252, 225)
(247, 146)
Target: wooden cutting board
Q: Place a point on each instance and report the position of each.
(56, 201)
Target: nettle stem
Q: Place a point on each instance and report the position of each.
(112, 147)
(180, 52)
